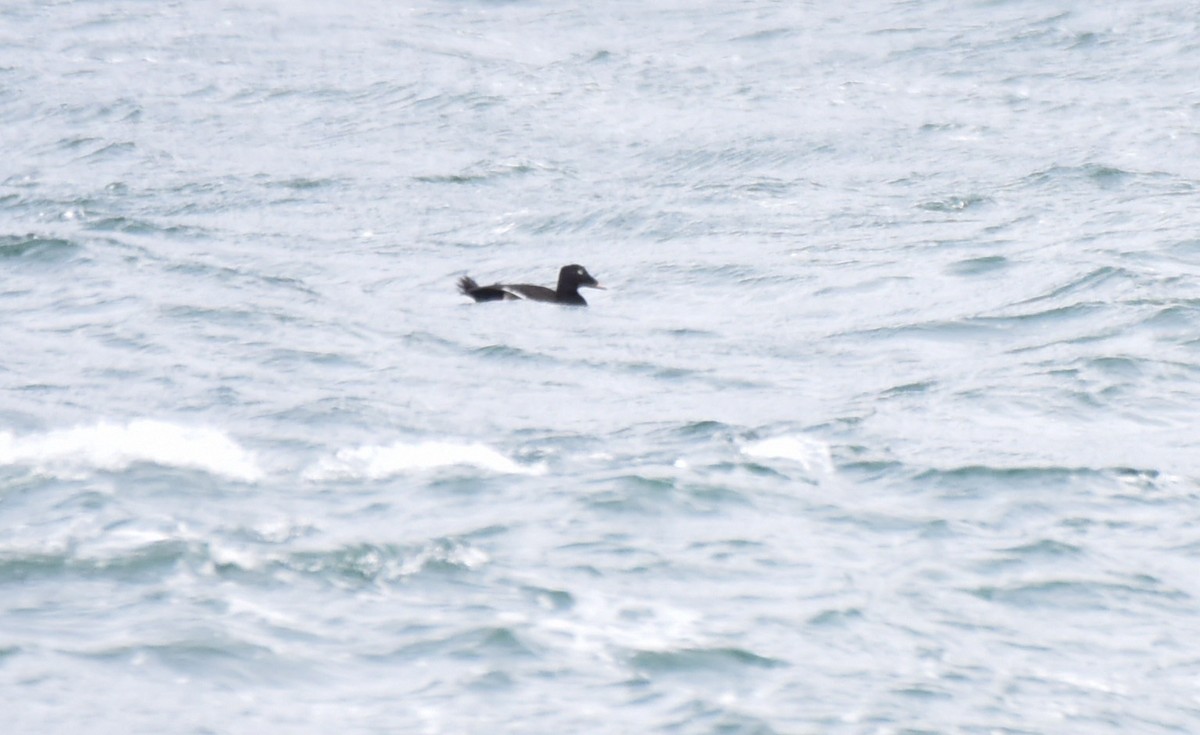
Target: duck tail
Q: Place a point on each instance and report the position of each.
(466, 285)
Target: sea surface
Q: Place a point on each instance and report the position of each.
(888, 421)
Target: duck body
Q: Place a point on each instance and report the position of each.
(570, 279)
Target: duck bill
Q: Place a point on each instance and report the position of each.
(597, 285)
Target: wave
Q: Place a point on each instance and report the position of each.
(370, 562)
(35, 247)
(113, 447)
(373, 462)
(689, 660)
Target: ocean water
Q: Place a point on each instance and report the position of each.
(887, 422)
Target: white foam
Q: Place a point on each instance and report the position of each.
(597, 623)
(812, 454)
(377, 462)
(113, 447)
(458, 555)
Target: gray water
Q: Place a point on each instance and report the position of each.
(886, 422)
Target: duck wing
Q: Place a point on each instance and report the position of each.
(505, 291)
(527, 291)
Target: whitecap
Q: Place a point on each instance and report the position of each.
(112, 447)
(373, 462)
(812, 454)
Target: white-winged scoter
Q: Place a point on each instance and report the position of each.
(570, 279)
